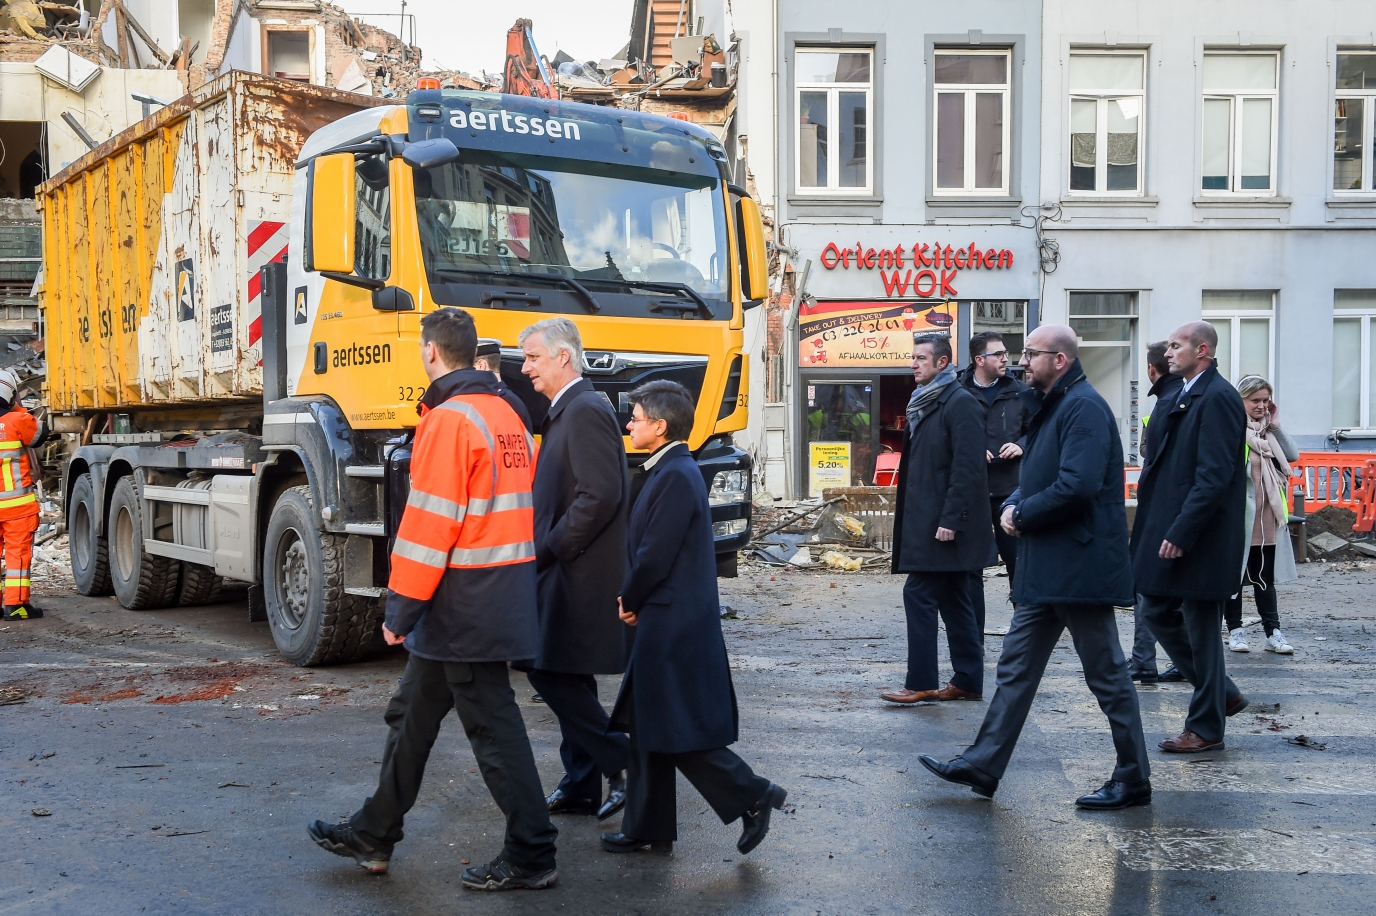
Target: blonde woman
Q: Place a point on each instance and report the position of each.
(1269, 558)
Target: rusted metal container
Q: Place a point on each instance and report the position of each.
(153, 242)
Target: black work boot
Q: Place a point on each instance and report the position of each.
(501, 875)
(25, 611)
(343, 840)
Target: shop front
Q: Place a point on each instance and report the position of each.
(855, 333)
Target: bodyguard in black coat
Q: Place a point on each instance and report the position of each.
(1190, 528)
(677, 700)
(1073, 552)
(941, 532)
(1005, 432)
(581, 495)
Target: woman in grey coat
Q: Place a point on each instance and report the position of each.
(1269, 557)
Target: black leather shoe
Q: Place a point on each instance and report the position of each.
(755, 822)
(616, 796)
(1115, 795)
(1146, 677)
(559, 803)
(959, 771)
(619, 842)
(1171, 675)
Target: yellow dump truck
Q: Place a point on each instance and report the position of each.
(233, 288)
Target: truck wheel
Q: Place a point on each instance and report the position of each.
(313, 621)
(89, 552)
(199, 585)
(141, 580)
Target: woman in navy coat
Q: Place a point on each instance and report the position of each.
(676, 699)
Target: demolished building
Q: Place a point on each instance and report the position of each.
(72, 75)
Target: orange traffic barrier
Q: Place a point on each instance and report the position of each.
(1346, 479)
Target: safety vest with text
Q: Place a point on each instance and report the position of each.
(19, 432)
(472, 467)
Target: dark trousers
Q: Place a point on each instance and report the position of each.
(1008, 550)
(481, 694)
(1190, 631)
(1007, 544)
(588, 750)
(722, 778)
(1026, 650)
(1143, 643)
(925, 595)
(1261, 575)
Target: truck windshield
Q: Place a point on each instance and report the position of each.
(608, 227)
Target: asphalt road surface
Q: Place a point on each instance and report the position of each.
(168, 762)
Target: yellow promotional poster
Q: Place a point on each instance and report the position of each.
(829, 466)
(870, 334)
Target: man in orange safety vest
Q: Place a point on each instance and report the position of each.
(463, 600)
(19, 432)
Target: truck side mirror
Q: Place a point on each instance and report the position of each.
(754, 260)
(393, 299)
(429, 154)
(332, 214)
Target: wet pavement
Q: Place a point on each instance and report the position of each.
(168, 762)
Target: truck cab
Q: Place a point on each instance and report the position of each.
(512, 208)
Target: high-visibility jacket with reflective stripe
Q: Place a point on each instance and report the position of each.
(19, 432)
(472, 466)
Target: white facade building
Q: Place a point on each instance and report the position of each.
(1214, 160)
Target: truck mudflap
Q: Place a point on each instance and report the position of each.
(343, 465)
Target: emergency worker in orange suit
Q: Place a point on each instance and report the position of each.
(19, 432)
(462, 599)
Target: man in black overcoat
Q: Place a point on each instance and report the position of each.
(1190, 529)
(1005, 429)
(677, 700)
(941, 532)
(582, 493)
(1072, 527)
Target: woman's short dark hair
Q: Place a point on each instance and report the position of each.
(453, 333)
(667, 401)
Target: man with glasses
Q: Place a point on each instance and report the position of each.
(1072, 530)
(1005, 429)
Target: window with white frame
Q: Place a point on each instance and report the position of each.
(1239, 128)
(834, 98)
(1244, 320)
(1106, 325)
(1352, 118)
(1354, 377)
(971, 133)
(1106, 107)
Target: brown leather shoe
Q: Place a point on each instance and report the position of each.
(952, 692)
(948, 692)
(1187, 742)
(906, 696)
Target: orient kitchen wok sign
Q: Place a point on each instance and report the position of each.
(875, 334)
(925, 270)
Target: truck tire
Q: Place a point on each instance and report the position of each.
(313, 621)
(89, 551)
(199, 585)
(141, 581)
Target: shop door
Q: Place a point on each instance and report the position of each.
(840, 436)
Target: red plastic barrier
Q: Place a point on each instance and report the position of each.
(1346, 479)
